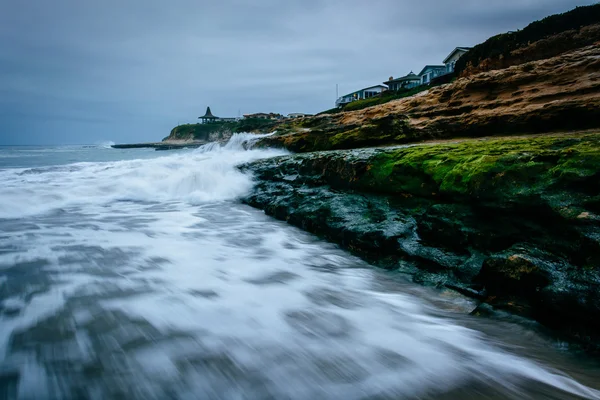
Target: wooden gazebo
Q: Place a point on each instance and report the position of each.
(208, 117)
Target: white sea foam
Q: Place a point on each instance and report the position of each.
(207, 174)
(105, 145)
(182, 294)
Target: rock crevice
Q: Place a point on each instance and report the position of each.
(513, 221)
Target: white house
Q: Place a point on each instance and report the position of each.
(430, 72)
(298, 115)
(453, 57)
(271, 116)
(361, 94)
(406, 82)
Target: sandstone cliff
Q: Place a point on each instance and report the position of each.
(488, 185)
(557, 94)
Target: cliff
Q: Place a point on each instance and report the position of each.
(561, 93)
(543, 39)
(218, 130)
(513, 221)
(489, 185)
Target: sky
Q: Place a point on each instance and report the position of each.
(89, 71)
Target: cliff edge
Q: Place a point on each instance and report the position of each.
(561, 93)
(489, 185)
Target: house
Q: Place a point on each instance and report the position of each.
(406, 82)
(453, 57)
(361, 94)
(298, 115)
(271, 116)
(430, 72)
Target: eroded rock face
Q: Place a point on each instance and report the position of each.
(513, 221)
(556, 94)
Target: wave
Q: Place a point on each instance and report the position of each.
(207, 174)
(105, 145)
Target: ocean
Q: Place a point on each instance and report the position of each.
(137, 274)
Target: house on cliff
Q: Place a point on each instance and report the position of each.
(298, 115)
(430, 72)
(436, 74)
(271, 116)
(453, 57)
(406, 82)
(361, 94)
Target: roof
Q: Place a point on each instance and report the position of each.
(208, 114)
(260, 113)
(431, 67)
(410, 77)
(454, 51)
(367, 88)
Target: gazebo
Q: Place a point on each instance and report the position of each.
(208, 117)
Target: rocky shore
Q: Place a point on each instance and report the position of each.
(489, 185)
(510, 221)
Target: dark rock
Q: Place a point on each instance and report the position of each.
(519, 270)
(511, 221)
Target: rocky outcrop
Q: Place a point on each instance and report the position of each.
(200, 132)
(556, 94)
(219, 130)
(542, 39)
(512, 221)
(480, 191)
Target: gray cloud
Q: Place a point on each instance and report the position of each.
(82, 71)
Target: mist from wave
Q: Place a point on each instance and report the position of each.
(105, 144)
(205, 174)
(146, 279)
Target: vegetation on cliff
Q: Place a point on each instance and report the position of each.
(385, 97)
(214, 131)
(195, 131)
(560, 93)
(518, 170)
(546, 38)
(513, 221)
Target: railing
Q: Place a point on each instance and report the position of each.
(343, 100)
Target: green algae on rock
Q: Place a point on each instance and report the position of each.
(512, 220)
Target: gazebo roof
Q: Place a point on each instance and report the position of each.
(208, 114)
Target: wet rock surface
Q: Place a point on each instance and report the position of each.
(509, 221)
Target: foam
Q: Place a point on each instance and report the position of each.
(205, 175)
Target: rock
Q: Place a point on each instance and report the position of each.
(519, 270)
(561, 93)
(499, 219)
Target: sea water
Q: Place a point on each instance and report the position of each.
(135, 274)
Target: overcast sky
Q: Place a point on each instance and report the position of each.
(87, 71)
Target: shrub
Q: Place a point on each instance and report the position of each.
(501, 46)
(384, 98)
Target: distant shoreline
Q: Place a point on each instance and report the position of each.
(167, 145)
